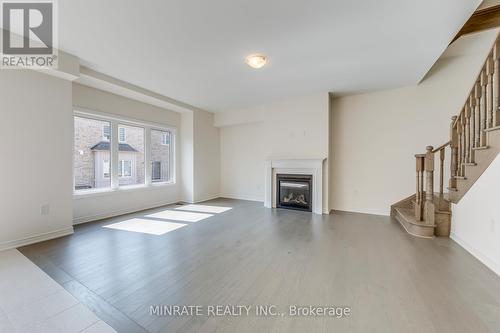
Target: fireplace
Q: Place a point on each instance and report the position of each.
(294, 192)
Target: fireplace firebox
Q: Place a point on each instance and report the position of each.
(294, 192)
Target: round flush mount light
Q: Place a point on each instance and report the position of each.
(256, 60)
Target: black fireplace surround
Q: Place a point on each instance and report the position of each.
(294, 192)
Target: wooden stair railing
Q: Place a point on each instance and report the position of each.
(480, 114)
(474, 143)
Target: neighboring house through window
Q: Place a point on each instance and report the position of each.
(106, 171)
(125, 169)
(121, 135)
(94, 147)
(156, 175)
(165, 140)
(106, 132)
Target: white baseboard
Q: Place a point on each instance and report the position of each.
(359, 211)
(208, 198)
(96, 217)
(35, 239)
(241, 197)
(495, 267)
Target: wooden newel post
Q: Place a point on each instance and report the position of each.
(454, 152)
(429, 186)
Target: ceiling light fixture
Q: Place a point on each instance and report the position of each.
(256, 60)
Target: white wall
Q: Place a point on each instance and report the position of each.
(187, 156)
(375, 136)
(243, 155)
(200, 157)
(476, 218)
(36, 166)
(296, 128)
(206, 157)
(87, 208)
(98, 100)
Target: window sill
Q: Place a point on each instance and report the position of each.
(157, 184)
(123, 189)
(92, 192)
(131, 187)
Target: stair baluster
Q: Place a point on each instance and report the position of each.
(463, 144)
(454, 153)
(459, 147)
(477, 130)
(482, 133)
(472, 103)
(496, 84)
(489, 90)
(441, 171)
(467, 133)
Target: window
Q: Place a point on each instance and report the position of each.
(92, 156)
(106, 132)
(131, 169)
(106, 170)
(165, 139)
(160, 155)
(156, 174)
(121, 134)
(95, 149)
(125, 169)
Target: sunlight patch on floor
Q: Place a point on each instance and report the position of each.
(146, 226)
(204, 208)
(179, 216)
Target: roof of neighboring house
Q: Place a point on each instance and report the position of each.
(104, 145)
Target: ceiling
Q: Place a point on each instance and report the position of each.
(193, 51)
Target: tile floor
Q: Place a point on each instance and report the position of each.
(30, 301)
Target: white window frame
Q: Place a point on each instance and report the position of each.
(114, 150)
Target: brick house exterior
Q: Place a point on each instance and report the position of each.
(160, 153)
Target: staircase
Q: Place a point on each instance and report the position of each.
(474, 144)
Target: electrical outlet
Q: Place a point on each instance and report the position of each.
(45, 209)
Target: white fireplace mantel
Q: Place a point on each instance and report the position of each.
(312, 167)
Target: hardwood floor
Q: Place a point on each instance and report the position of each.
(251, 255)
